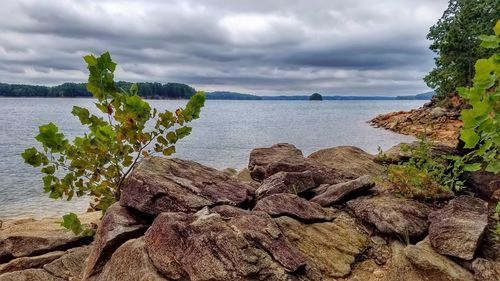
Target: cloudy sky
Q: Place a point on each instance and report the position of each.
(269, 47)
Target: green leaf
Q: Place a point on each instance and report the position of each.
(183, 131)
(497, 28)
(90, 60)
(34, 158)
(470, 137)
(71, 222)
(169, 151)
(49, 170)
(82, 114)
(489, 41)
(172, 137)
(493, 167)
(51, 138)
(133, 89)
(472, 167)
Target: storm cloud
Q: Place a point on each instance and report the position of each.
(272, 47)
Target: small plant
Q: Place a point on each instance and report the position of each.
(424, 177)
(496, 228)
(97, 163)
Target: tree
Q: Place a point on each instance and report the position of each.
(97, 163)
(315, 96)
(455, 40)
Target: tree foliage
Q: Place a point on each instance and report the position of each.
(97, 163)
(455, 40)
(481, 130)
(316, 96)
(146, 89)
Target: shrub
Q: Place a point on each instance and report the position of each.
(97, 163)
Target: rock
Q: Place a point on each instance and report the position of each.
(485, 184)
(435, 266)
(365, 270)
(456, 230)
(29, 275)
(205, 246)
(35, 237)
(332, 247)
(172, 185)
(118, 225)
(485, 270)
(437, 112)
(291, 205)
(130, 263)
(244, 176)
(392, 215)
(281, 157)
(265, 162)
(230, 172)
(70, 265)
(286, 182)
(29, 262)
(348, 159)
(333, 194)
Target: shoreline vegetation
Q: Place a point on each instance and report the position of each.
(152, 90)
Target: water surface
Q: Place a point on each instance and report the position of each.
(223, 137)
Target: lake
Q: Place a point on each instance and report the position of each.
(223, 137)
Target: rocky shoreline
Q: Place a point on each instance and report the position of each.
(286, 217)
(437, 123)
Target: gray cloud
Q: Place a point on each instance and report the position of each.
(263, 47)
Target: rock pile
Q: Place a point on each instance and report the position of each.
(289, 217)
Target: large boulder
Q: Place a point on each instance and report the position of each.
(34, 237)
(118, 225)
(172, 185)
(331, 247)
(285, 204)
(456, 230)
(283, 157)
(327, 195)
(348, 159)
(130, 263)
(485, 270)
(206, 246)
(433, 265)
(392, 215)
(286, 182)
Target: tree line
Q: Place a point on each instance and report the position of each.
(151, 90)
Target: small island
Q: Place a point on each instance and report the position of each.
(316, 96)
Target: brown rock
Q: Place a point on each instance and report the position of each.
(433, 265)
(29, 275)
(173, 185)
(392, 215)
(348, 159)
(281, 157)
(29, 262)
(130, 263)
(205, 246)
(457, 229)
(118, 225)
(485, 184)
(331, 247)
(34, 237)
(70, 265)
(286, 182)
(265, 162)
(485, 270)
(291, 205)
(333, 194)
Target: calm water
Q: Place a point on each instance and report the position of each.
(223, 137)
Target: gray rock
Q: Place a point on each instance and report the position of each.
(333, 194)
(29, 262)
(456, 230)
(70, 265)
(485, 270)
(391, 214)
(29, 275)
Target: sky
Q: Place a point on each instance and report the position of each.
(270, 47)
